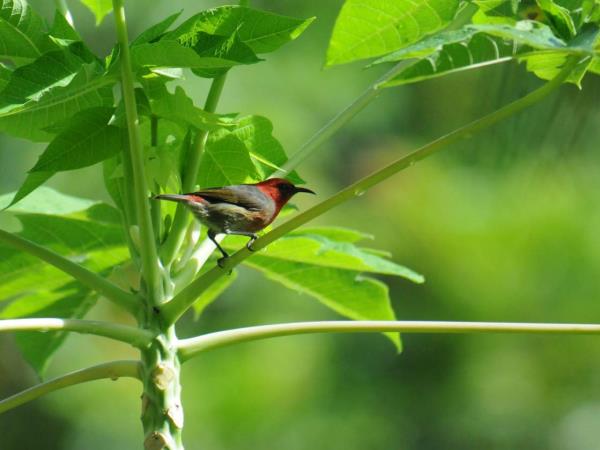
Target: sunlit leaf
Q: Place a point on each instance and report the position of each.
(22, 32)
(369, 28)
(88, 140)
(227, 48)
(178, 106)
(560, 18)
(327, 250)
(31, 288)
(346, 292)
(167, 53)
(262, 31)
(45, 104)
(475, 46)
(226, 161)
(156, 30)
(100, 8)
(268, 155)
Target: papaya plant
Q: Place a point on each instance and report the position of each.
(128, 114)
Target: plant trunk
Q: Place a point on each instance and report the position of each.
(162, 411)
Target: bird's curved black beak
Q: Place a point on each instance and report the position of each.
(301, 189)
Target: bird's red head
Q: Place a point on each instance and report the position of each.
(280, 190)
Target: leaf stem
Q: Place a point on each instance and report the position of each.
(188, 348)
(190, 175)
(88, 278)
(182, 301)
(124, 333)
(112, 370)
(150, 264)
(339, 120)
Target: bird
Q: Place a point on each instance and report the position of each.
(241, 209)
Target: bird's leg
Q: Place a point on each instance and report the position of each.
(212, 235)
(253, 237)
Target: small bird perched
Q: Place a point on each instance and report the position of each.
(241, 209)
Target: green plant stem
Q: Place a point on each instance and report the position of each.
(62, 6)
(188, 348)
(112, 370)
(182, 301)
(339, 120)
(88, 278)
(190, 175)
(124, 333)
(150, 264)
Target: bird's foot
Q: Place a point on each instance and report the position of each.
(221, 263)
(251, 242)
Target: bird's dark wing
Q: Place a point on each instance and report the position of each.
(241, 195)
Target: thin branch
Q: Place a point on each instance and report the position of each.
(113, 370)
(339, 120)
(176, 234)
(150, 264)
(182, 301)
(80, 273)
(188, 348)
(124, 333)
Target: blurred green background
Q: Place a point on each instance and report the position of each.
(505, 226)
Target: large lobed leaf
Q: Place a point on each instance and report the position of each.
(474, 46)
(86, 139)
(85, 232)
(50, 90)
(369, 28)
(262, 31)
(22, 32)
(326, 264)
(247, 152)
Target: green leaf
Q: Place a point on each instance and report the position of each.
(547, 65)
(163, 164)
(156, 30)
(47, 201)
(369, 28)
(62, 31)
(327, 250)
(31, 288)
(560, 18)
(83, 89)
(346, 292)
(225, 161)
(88, 140)
(22, 36)
(31, 183)
(227, 48)
(213, 292)
(179, 107)
(32, 81)
(262, 31)
(339, 234)
(100, 8)
(475, 46)
(5, 74)
(67, 301)
(266, 152)
(167, 53)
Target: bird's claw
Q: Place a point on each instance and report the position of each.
(221, 263)
(249, 246)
